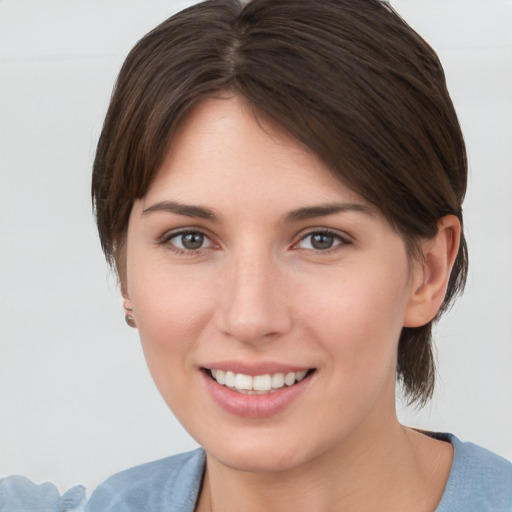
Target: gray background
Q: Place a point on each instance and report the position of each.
(76, 400)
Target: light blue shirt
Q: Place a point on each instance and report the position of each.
(479, 481)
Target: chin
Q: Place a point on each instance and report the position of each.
(257, 462)
(260, 455)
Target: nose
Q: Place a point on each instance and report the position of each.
(253, 304)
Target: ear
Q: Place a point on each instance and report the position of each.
(128, 310)
(431, 276)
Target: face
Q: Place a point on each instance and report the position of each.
(268, 296)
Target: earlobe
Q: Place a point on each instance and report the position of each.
(430, 277)
(128, 310)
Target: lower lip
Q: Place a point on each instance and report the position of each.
(255, 406)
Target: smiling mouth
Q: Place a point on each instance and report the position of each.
(257, 384)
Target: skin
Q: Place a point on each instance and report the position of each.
(258, 290)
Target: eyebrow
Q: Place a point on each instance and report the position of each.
(186, 210)
(305, 213)
(311, 212)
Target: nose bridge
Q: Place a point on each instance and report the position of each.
(253, 298)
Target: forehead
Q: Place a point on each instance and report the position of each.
(223, 149)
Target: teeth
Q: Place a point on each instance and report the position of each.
(243, 381)
(289, 379)
(262, 383)
(300, 375)
(220, 376)
(278, 380)
(230, 380)
(247, 383)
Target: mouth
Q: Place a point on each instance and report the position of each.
(257, 384)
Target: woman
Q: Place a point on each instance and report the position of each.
(279, 188)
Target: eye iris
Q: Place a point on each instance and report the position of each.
(192, 241)
(322, 241)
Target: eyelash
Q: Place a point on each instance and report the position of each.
(166, 240)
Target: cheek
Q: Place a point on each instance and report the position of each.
(170, 308)
(170, 315)
(358, 319)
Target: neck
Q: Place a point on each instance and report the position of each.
(395, 470)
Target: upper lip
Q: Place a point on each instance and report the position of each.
(253, 369)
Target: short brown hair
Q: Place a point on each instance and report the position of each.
(347, 78)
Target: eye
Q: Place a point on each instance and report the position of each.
(321, 241)
(189, 241)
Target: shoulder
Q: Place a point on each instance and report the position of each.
(479, 480)
(169, 484)
(19, 494)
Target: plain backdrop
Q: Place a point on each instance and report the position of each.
(76, 400)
